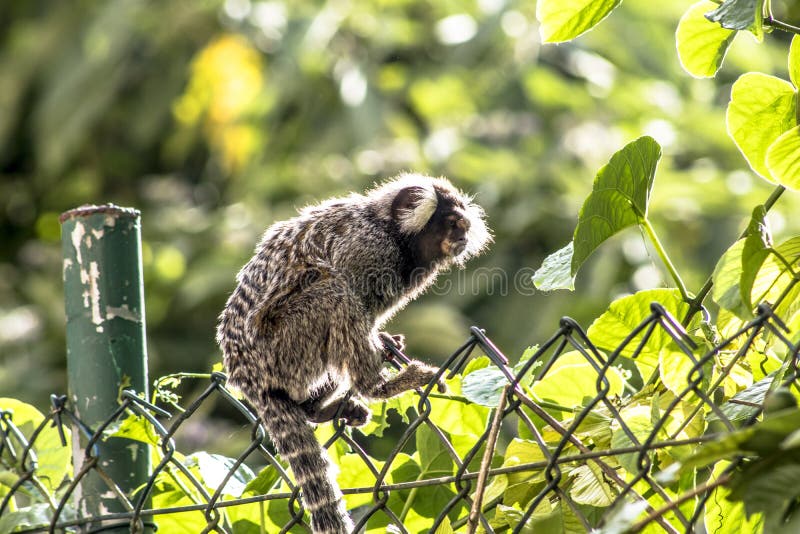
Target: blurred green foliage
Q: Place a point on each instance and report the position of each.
(218, 118)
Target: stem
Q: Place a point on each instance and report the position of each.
(778, 25)
(651, 233)
(696, 304)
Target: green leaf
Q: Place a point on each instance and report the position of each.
(756, 248)
(590, 487)
(727, 276)
(562, 20)
(609, 330)
(762, 107)
(380, 413)
(639, 421)
(740, 15)
(572, 368)
(783, 159)
(794, 61)
(762, 439)
(702, 45)
(556, 271)
(36, 515)
(134, 427)
(484, 386)
(767, 485)
(354, 473)
(740, 406)
(775, 275)
(456, 417)
(723, 516)
(619, 197)
(263, 482)
(54, 459)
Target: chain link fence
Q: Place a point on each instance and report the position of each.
(564, 452)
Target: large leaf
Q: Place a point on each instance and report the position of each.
(556, 271)
(783, 159)
(562, 20)
(740, 15)
(619, 197)
(702, 44)
(610, 329)
(762, 107)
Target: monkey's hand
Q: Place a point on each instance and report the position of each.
(398, 340)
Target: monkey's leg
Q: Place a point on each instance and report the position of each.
(414, 375)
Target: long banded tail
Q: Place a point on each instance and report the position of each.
(294, 440)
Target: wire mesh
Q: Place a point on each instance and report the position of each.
(476, 485)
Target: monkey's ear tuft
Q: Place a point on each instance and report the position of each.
(413, 206)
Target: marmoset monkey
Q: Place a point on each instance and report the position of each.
(301, 329)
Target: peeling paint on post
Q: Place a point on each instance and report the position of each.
(104, 303)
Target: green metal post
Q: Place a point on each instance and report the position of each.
(106, 351)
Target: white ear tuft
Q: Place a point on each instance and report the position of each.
(413, 207)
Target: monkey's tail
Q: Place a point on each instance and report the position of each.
(294, 440)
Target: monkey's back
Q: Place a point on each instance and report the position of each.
(303, 295)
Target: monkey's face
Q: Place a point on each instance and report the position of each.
(454, 234)
(446, 236)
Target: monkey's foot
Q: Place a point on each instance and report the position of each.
(355, 413)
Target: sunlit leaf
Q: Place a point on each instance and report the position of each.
(562, 20)
(638, 420)
(775, 273)
(762, 107)
(619, 197)
(623, 315)
(756, 248)
(783, 159)
(744, 404)
(556, 271)
(54, 459)
(590, 486)
(455, 417)
(723, 516)
(702, 44)
(794, 61)
(740, 15)
(573, 368)
(674, 369)
(726, 278)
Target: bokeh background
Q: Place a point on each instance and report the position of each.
(216, 118)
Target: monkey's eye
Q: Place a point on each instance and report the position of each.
(453, 222)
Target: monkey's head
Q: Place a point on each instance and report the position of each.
(441, 224)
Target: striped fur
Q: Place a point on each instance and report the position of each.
(301, 327)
